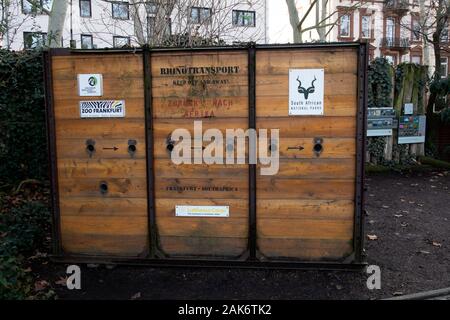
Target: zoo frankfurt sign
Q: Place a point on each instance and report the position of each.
(306, 92)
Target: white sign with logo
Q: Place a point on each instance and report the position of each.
(409, 108)
(102, 109)
(90, 85)
(202, 211)
(306, 92)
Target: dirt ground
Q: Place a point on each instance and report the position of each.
(408, 214)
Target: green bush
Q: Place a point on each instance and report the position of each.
(23, 150)
(22, 230)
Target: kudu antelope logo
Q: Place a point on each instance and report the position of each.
(306, 91)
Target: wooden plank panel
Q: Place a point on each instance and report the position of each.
(201, 188)
(102, 168)
(70, 108)
(76, 148)
(166, 207)
(101, 128)
(110, 66)
(200, 107)
(306, 249)
(314, 169)
(335, 84)
(167, 169)
(103, 206)
(332, 148)
(330, 127)
(305, 209)
(333, 61)
(163, 128)
(125, 88)
(278, 106)
(122, 188)
(203, 246)
(305, 229)
(109, 226)
(274, 188)
(203, 227)
(108, 245)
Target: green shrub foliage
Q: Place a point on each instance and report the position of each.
(380, 76)
(23, 151)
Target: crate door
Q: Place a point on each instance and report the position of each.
(306, 210)
(102, 185)
(201, 209)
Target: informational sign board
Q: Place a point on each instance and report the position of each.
(411, 129)
(306, 90)
(90, 85)
(380, 122)
(102, 109)
(408, 108)
(202, 211)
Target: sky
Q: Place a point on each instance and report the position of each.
(280, 30)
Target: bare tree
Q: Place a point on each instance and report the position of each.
(10, 22)
(324, 21)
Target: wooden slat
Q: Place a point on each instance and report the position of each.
(305, 209)
(166, 207)
(76, 148)
(135, 245)
(200, 107)
(102, 168)
(122, 188)
(305, 229)
(203, 227)
(313, 169)
(167, 169)
(110, 66)
(306, 249)
(279, 62)
(278, 106)
(201, 188)
(203, 246)
(102, 206)
(330, 127)
(332, 148)
(273, 188)
(101, 128)
(113, 225)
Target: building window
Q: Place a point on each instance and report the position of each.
(151, 27)
(121, 42)
(415, 29)
(36, 6)
(32, 40)
(151, 7)
(416, 59)
(244, 18)
(390, 29)
(200, 15)
(121, 10)
(344, 26)
(444, 33)
(87, 41)
(366, 27)
(444, 67)
(85, 8)
(391, 59)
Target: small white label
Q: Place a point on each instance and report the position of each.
(306, 92)
(379, 132)
(90, 85)
(202, 211)
(102, 109)
(408, 108)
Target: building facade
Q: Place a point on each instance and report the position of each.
(105, 24)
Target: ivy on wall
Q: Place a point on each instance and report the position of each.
(23, 146)
(380, 76)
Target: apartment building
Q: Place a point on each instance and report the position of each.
(105, 23)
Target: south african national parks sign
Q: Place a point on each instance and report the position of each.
(306, 92)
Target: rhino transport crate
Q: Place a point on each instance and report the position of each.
(118, 196)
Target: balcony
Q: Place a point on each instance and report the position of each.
(398, 7)
(398, 44)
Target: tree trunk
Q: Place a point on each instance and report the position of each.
(294, 21)
(56, 20)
